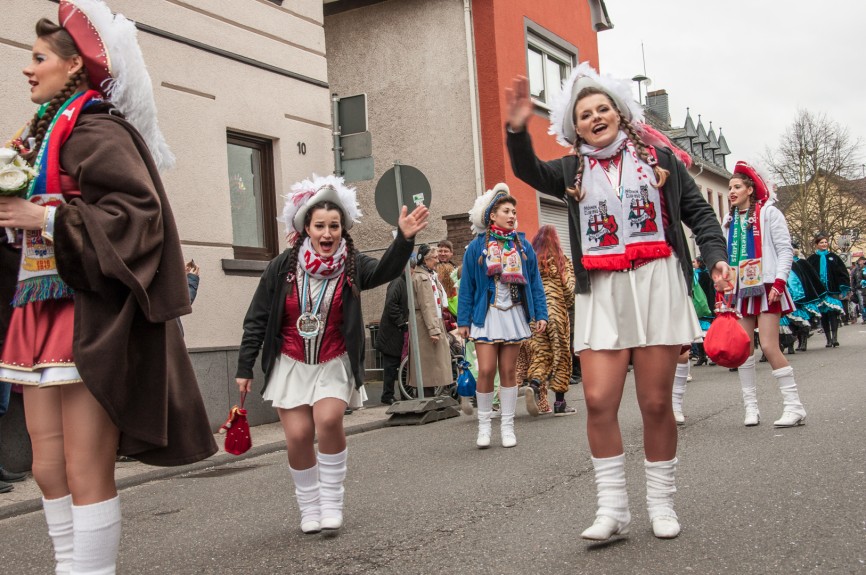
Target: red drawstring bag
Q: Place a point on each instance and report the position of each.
(237, 430)
(727, 343)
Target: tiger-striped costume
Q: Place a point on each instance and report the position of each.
(550, 350)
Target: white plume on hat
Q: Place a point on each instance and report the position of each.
(584, 76)
(306, 193)
(130, 88)
(482, 202)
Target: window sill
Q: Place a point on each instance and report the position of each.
(244, 267)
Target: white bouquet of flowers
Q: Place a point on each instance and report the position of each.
(15, 173)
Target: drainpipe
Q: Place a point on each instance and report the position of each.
(473, 96)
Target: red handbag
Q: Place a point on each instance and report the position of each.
(237, 430)
(726, 342)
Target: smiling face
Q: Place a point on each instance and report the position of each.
(504, 216)
(823, 244)
(597, 121)
(325, 230)
(48, 72)
(445, 254)
(739, 193)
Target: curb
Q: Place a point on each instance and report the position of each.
(32, 505)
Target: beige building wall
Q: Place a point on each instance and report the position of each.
(200, 95)
(410, 58)
(717, 186)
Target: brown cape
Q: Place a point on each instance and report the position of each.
(118, 247)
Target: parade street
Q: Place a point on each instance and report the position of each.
(423, 499)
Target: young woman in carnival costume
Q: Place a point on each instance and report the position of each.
(305, 316)
(500, 300)
(550, 350)
(638, 308)
(101, 259)
(759, 248)
(835, 279)
(806, 289)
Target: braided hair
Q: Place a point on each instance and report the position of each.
(506, 199)
(61, 43)
(351, 251)
(661, 174)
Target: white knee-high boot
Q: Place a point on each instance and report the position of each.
(680, 378)
(332, 474)
(508, 404)
(58, 516)
(793, 413)
(612, 516)
(485, 411)
(307, 494)
(750, 391)
(660, 489)
(96, 538)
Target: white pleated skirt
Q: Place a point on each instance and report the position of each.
(638, 308)
(294, 383)
(502, 326)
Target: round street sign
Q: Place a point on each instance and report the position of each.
(415, 188)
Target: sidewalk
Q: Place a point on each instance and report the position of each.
(26, 498)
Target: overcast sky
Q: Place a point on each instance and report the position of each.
(747, 66)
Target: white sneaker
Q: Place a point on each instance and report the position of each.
(483, 440)
(753, 417)
(666, 527)
(790, 419)
(311, 527)
(679, 418)
(603, 528)
(508, 438)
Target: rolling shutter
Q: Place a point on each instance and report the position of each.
(556, 215)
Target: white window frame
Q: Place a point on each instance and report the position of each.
(548, 51)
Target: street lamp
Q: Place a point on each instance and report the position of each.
(641, 79)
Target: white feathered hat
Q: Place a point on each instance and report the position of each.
(307, 193)
(584, 76)
(479, 215)
(108, 44)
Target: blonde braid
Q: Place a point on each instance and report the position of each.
(576, 190)
(661, 173)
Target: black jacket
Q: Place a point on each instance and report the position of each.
(263, 323)
(837, 273)
(684, 203)
(395, 317)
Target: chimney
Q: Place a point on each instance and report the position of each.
(657, 103)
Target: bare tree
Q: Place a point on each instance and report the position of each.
(815, 162)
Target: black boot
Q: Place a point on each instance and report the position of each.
(834, 328)
(802, 338)
(702, 355)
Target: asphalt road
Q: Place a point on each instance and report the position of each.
(425, 500)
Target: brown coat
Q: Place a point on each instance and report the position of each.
(118, 247)
(435, 356)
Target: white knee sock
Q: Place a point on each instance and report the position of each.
(307, 494)
(680, 386)
(97, 537)
(485, 408)
(58, 516)
(332, 474)
(660, 488)
(747, 382)
(790, 397)
(610, 488)
(507, 405)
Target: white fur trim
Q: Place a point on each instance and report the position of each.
(307, 192)
(562, 104)
(476, 214)
(130, 88)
